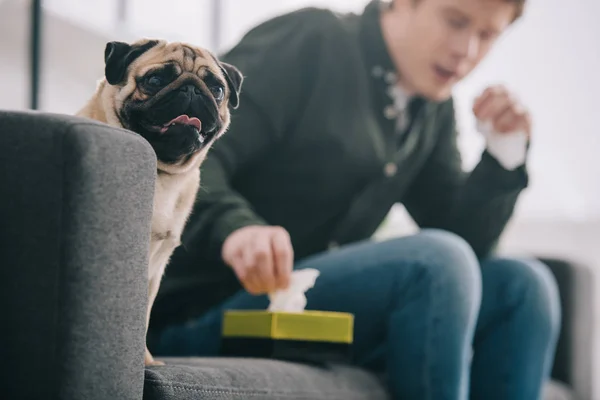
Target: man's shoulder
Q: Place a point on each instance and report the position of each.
(308, 24)
(316, 14)
(297, 41)
(308, 18)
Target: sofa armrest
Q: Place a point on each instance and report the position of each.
(75, 215)
(574, 357)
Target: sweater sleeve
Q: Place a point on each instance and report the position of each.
(275, 59)
(475, 205)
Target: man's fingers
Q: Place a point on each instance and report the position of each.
(482, 105)
(482, 97)
(248, 259)
(238, 264)
(500, 107)
(244, 266)
(493, 107)
(512, 118)
(480, 101)
(264, 266)
(252, 283)
(486, 97)
(284, 258)
(506, 121)
(262, 257)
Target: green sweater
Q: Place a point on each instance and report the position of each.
(310, 149)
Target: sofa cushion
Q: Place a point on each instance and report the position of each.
(246, 378)
(240, 378)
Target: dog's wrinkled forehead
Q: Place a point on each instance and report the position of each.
(183, 57)
(126, 63)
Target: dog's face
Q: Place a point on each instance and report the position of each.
(174, 95)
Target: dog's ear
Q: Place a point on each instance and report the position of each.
(234, 81)
(119, 55)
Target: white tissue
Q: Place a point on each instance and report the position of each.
(293, 299)
(510, 149)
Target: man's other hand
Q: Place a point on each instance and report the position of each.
(505, 113)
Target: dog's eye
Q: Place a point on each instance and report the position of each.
(217, 92)
(154, 81)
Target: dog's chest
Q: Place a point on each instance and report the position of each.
(173, 201)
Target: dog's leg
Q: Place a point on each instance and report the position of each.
(153, 286)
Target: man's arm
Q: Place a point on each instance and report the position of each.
(219, 209)
(276, 59)
(476, 205)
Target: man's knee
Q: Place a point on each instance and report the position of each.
(448, 256)
(448, 266)
(535, 286)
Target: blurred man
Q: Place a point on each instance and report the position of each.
(341, 117)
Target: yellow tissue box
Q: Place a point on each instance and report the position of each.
(312, 336)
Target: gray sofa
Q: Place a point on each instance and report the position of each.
(75, 209)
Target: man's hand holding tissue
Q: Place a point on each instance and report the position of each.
(505, 124)
(262, 257)
(505, 113)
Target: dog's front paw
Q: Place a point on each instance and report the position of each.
(149, 360)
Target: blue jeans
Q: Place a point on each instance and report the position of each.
(438, 323)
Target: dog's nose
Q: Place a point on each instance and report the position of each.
(190, 89)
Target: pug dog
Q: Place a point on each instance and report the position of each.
(178, 98)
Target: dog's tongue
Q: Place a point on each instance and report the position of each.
(183, 120)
